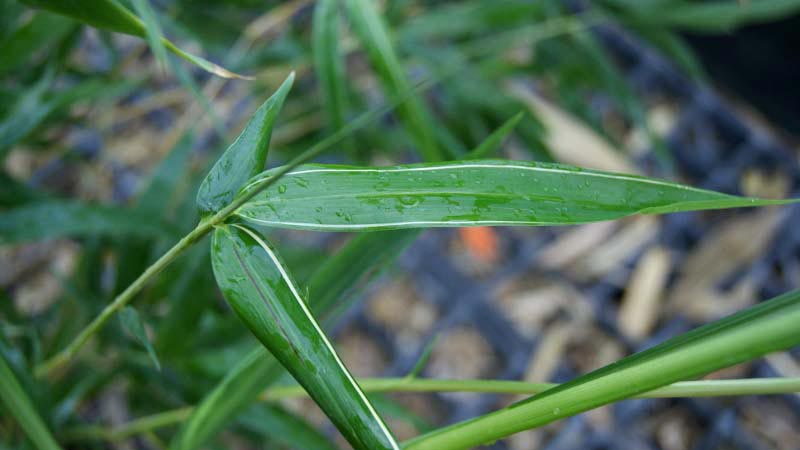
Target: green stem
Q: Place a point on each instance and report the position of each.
(59, 360)
(706, 388)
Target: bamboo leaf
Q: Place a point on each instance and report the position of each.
(112, 16)
(282, 427)
(19, 405)
(133, 324)
(245, 157)
(153, 32)
(467, 193)
(768, 327)
(374, 36)
(254, 282)
(495, 140)
(42, 31)
(345, 272)
(328, 63)
(50, 219)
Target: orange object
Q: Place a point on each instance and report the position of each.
(481, 242)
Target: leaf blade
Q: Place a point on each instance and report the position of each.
(467, 193)
(20, 406)
(245, 157)
(338, 277)
(254, 282)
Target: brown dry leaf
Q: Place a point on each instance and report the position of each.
(724, 250)
(641, 302)
(613, 252)
(571, 141)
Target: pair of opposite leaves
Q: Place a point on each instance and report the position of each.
(254, 280)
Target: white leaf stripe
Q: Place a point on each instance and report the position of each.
(498, 165)
(322, 335)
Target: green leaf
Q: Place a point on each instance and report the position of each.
(19, 405)
(255, 284)
(58, 218)
(495, 140)
(132, 323)
(768, 327)
(374, 36)
(467, 193)
(282, 427)
(328, 62)
(112, 16)
(153, 32)
(245, 157)
(40, 32)
(342, 274)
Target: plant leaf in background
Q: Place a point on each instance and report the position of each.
(43, 30)
(50, 219)
(329, 63)
(19, 405)
(493, 142)
(257, 287)
(338, 277)
(153, 32)
(768, 327)
(467, 193)
(374, 36)
(245, 157)
(132, 323)
(110, 15)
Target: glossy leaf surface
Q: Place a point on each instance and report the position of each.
(337, 279)
(245, 157)
(256, 285)
(468, 193)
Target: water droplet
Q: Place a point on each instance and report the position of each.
(282, 189)
(408, 200)
(556, 411)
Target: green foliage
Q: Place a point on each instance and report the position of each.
(467, 193)
(414, 81)
(245, 157)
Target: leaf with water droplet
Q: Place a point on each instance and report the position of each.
(260, 290)
(470, 193)
(245, 157)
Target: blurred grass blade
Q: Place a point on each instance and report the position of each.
(374, 36)
(132, 323)
(155, 37)
(112, 16)
(493, 142)
(282, 427)
(51, 219)
(328, 61)
(40, 32)
(255, 284)
(245, 157)
(768, 327)
(19, 405)
(467, 193)
(341, 275)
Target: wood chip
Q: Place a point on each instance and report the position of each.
(642, 299)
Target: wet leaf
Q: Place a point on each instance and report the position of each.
(245, 157)
(256, 285)
(337, 279)
(467, 193)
